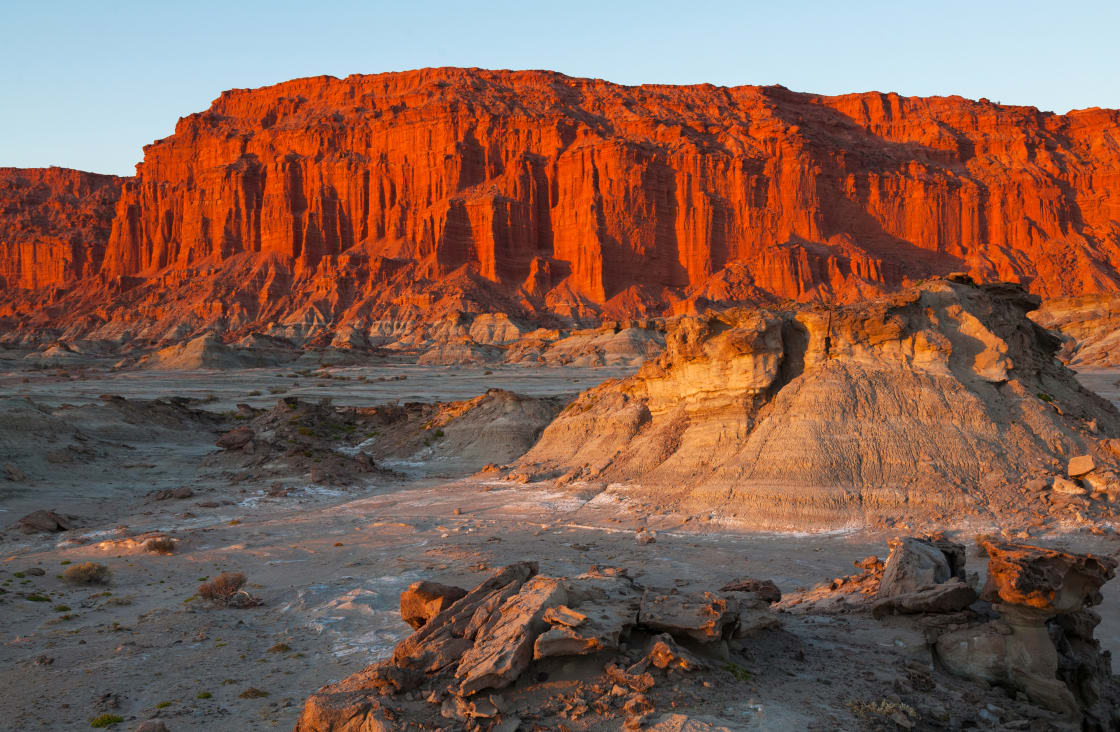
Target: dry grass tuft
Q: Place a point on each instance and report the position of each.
(87, 573)
(225, 591)
(160, 545)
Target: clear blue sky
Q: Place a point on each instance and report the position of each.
(87, 84)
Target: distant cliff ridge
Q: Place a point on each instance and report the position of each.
(325, 202)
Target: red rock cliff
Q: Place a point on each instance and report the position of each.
(566, 193)
(54, 223)
(531, 172)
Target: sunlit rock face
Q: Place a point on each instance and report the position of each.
(54, 224)
(934, 405)
(323, 201)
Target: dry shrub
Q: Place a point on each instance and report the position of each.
(87, 573)
(160, 545)
(225, 591)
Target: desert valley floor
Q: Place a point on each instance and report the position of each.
(328, 554)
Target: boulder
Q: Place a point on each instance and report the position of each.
(1081, 465)
(665, 653)
(236, 438)
(442, 641)
(704, 617)
(605, 608)
(423, 600)
(1046, 579)
(1042, 597)
(947, 597)
(504, 646)
(42, 521)
(1066, 487)
(915, 564)
(765, 589)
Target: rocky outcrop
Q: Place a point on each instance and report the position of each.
(54, 226)
(379, 202)
(933, 405)
(515, 629)
(1042, 643)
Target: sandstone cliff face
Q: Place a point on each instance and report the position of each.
(325, 201)
(934, 404)
(54, 224)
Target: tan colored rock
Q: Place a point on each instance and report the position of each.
(705, 617)
(45, 522)
(423, 600)
(504, 645)
(783, 419)
(947, 597)
(443, 640)
(236, 438)
(915, 564)
(1029, 586)
(666, 653)
(1080, 465)
(765, 589)
(1066, 487)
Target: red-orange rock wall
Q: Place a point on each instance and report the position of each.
(564, 190)
(652, 186)
(54, 224)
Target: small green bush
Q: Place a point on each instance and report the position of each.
(106, 720)
(204, 695)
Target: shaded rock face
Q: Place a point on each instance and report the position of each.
(924, 405)
(54, 225)
(1042, 643)
(314, 199)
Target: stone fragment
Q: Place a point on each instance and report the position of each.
(755, 615)
(424, 600)
(705, 617)
(639, 682)
(607, 602)
(152, 725)
(1066, 487)
(1080, 465)
(914, 564)
(42, 521)
(765, 589)
(947, 597)
(677, 722)
(443, 639)
(564, 615)
(236, 438)
(14, 474)
(504, 647)
(665, 653)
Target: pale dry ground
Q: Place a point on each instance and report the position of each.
(329, 565)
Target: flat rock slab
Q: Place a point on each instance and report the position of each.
(702, 616)
(948, 597)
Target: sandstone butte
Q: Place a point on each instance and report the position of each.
(323, 202)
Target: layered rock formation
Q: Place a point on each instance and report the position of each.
(1043, 641)
(54, 225)
(480, 660)
(372, 201)
(934, 404)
